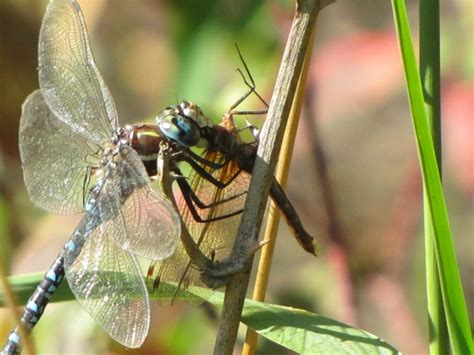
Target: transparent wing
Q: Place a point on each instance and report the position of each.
(176, 279)
(175, 276)
(218, 236)
(68, 76)
(108, 283)
(138, 218)
(53, 157)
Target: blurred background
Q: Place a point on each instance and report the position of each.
(354, 177)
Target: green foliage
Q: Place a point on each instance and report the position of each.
(309, 333)
(295, 329)
(450, 280)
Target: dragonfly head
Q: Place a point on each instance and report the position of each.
(185, 124)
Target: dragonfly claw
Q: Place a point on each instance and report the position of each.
(214, 282)
(218, 273)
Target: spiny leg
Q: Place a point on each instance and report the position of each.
(188, 153)
(251, 85)
(192, 209)
(208, 176)
(186, 187)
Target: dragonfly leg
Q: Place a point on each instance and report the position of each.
(208, 176)
(219, 273)
(250, 112)
(249, 83)
(189, 154)
(187, 193)
(186, 189)
(214, 282)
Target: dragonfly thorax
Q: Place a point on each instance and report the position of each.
(185, 124)
(145, 139)
(111, 156)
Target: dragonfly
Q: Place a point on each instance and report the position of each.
(211, 198)
(76, 158)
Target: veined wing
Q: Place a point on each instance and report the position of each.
(125, 217)
(137, 217)
(68, 76)
(55, 158)
(215, 239)
(109, 284)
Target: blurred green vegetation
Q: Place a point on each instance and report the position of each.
(153, 53)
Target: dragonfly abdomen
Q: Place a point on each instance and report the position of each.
(52, 279)
(36, 304)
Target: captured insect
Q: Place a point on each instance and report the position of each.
(211, 198)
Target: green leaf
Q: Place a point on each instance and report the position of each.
(430, 74)
(24, 285)
(450, 280)
(308, 333)
(295, 329)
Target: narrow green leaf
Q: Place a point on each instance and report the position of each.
(292, 328)
(24, 285)
(430, 74)
(450, 280)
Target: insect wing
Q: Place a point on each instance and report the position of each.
(138, 218)
(68, 76)
(109, 284)
(214, 238)
(56, 181)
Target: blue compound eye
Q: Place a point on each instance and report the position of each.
(180, 129)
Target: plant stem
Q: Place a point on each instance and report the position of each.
(281, 174)
(271, 139)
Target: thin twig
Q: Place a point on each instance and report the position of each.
(281, 174)
(271, 138)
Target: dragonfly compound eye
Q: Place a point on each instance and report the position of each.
(191, 110)
(180, 129)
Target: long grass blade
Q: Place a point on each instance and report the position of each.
(449, 277)
(431, 81)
